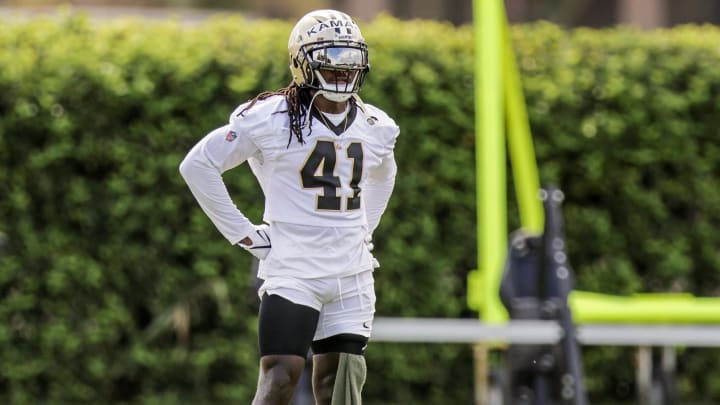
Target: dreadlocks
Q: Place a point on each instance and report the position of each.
(298, 100)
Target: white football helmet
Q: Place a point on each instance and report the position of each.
(331, 42)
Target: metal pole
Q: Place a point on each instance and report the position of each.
(643, 374)
(480, 358)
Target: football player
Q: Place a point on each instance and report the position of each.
(324, 160)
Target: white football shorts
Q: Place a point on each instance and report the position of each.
(346, 304)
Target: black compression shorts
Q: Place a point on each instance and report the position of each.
(288, 328)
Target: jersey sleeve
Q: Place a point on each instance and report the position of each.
(378, 190)
(381, 180)
(202, 168)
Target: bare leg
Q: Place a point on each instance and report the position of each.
(279, 375)
(324, 369)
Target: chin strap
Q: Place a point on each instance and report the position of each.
(312, 100)
(359, 103)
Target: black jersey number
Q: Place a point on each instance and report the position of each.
(324, 158)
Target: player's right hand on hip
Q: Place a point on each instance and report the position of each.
(259, 245)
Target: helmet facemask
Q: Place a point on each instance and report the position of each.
(336, 69)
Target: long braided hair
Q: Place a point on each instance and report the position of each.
(298, 101)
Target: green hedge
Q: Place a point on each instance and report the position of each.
(117, 289)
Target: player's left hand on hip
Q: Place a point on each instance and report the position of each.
(260, 238)
(368, 242)
(370, 246)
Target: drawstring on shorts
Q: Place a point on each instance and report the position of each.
(340, 293)
(360, 292)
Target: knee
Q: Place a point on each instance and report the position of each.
(279, 378)
(339, 378)
(323, 387)
(282, 373)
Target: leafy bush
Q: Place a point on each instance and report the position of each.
(118, 289)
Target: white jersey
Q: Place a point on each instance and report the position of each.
(317, 183)
(322, 197)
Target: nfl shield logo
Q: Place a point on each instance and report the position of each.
(231, 136)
